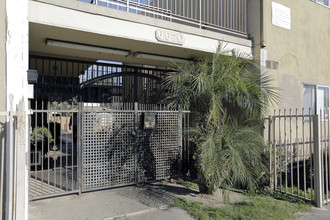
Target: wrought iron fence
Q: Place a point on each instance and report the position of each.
(299, 161)
(226, 15)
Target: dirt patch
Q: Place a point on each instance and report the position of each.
(217, 199)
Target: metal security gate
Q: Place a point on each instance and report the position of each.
(160, 149)
(88, 132)
(54, 161)
(108, 157)
(118, 150)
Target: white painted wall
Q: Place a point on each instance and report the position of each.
(17, 65)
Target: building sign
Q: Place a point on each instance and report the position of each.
(170, 37)
(281, 16)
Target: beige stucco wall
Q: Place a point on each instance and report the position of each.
(303, 52)
(2, 56)
(2, 100)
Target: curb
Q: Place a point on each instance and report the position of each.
(137, 213)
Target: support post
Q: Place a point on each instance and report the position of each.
(21, 169)
(80, 145)
(180, 139)
(317, 163)
(135, 136)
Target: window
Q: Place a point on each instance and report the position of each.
(309, 99)
(323, 2)
(315, 98)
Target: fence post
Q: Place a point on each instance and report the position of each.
(180, 139)
(270, 138)
(135, 136)
(80, 145)
(317, 163)
(274, 150)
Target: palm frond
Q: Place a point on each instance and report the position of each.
(228, 97)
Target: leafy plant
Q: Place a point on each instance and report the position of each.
(230, 157)
(190, 185)
(227, 97)
(40, 134)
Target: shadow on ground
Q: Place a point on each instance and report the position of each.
(156, 194)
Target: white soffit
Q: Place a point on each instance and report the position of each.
(53, 15)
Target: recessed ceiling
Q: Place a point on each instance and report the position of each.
(39, 33)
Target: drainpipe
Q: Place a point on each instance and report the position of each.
(10, 165)
(262, 25)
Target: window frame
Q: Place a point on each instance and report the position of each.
(316, 107)
(320, 3)
(313, 111)
(325, 115)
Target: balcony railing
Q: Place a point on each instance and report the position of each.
(223, 15)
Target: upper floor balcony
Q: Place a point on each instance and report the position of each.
(218, 15)
(165, 29)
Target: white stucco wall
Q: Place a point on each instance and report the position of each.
(17, 55)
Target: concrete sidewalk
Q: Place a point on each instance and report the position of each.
(317, 213)
(148, 202)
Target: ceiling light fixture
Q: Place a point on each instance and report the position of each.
(86, 47)
(161, 58)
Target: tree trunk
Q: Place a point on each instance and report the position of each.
(202, 186)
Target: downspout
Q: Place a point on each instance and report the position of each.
(262, 25)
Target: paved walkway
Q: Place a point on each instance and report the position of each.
(317, 214)
(133, 203)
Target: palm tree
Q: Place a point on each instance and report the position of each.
(227, 97)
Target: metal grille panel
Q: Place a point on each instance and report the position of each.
(113, 156)
(159, 150)
(108, 153)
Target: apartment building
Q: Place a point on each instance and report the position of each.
(68, 64)
(296, 47)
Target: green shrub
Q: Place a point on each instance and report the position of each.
(227, 98)
(40, 134)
